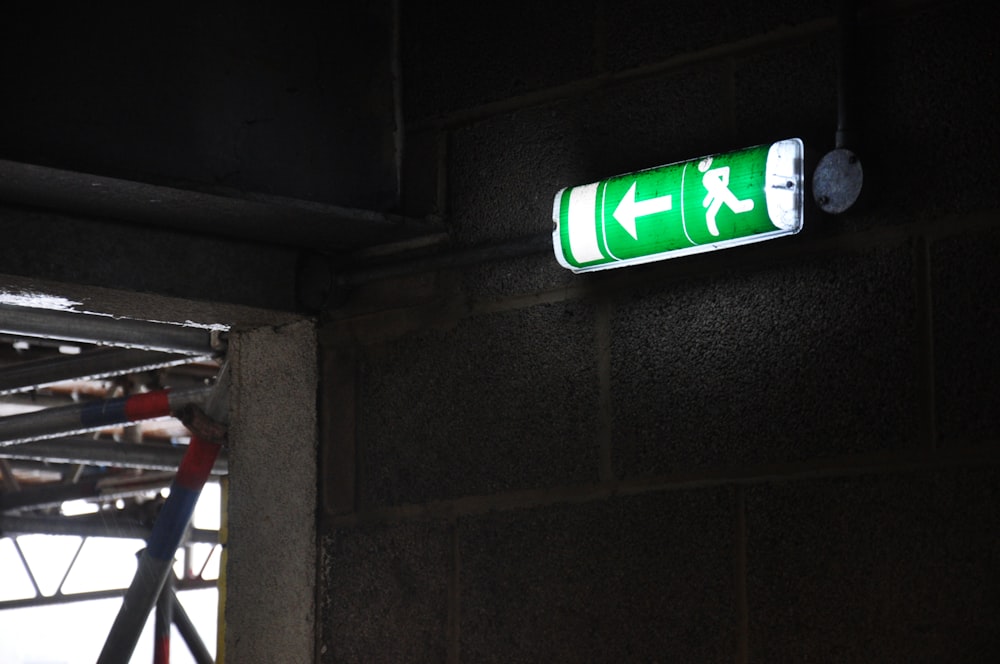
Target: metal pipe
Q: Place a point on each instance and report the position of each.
(106, 453)
(33, 473)
(42, 525)
(27, 567)
(189, 633)
(59, 598)
(9, 481)
(78, 418)
(69, 568)
(26, 402)
(848, 17)
(108, 331)
(74, 475)
(101, 363)
(156, 560)
(161, 624)
(274, 220)
(87, 526)
(106, 488)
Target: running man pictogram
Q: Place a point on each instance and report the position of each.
(716, 182)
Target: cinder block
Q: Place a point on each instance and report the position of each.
(648, 31)
(927, 104)
(385, 593)
(529, 274)
(458, 55)
(788, 91)
(61, 248)
(756, 17)
(645, 578)
(811, 358)
(271, 496)
(966, 306)
(421, 174)
(500, 402)
(898, 568)
(336, 413)
(504, 172)
(659, 120)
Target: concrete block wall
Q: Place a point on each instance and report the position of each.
(781, 452)
(42, 244)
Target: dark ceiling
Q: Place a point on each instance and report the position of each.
(272, 123)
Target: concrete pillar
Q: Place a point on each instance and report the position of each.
(270, 586)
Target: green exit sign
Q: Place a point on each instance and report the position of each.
(694, 206)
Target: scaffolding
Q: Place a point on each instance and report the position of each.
(62, 444)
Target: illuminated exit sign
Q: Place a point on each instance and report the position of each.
(694, 206)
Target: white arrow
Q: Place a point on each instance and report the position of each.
(629, 208)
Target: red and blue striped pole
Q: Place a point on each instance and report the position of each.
(75, 418)
(157, 558)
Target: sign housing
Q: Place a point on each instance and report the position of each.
(689, 207)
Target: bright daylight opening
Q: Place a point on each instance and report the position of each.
(89, 447)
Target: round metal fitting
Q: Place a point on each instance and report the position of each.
(837, 181)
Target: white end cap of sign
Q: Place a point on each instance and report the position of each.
(782, 182)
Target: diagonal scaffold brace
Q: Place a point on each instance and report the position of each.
(208, 430)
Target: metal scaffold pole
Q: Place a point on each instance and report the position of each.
(156, 560)
(99, 363)
(161, 625)
(106, 488)
(77, 418)
(188, 632)
(109, 331)
(147, 456)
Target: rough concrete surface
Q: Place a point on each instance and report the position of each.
(892, 568)
(631, 579)
(385, 591)
(272, 495)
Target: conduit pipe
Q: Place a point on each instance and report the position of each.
(109, 331)
(847, 17)
(839, 176)
(78, 418)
